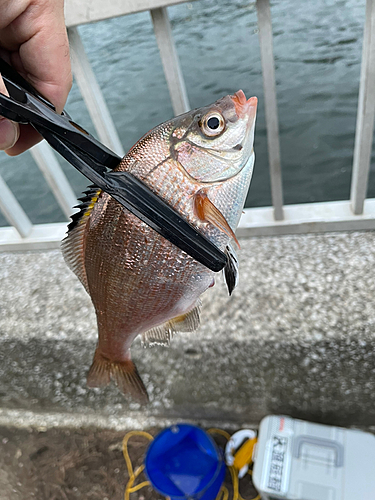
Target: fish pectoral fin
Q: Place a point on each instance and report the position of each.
(231, 269)
(189, 321)
(206, 211)
(163, 334)
(124, 374)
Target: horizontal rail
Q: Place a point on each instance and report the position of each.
(307, 218)
(89, 11)
(302, 218)
(41, 237)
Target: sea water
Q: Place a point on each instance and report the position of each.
(317, 49)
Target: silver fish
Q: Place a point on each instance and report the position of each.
(141, 284)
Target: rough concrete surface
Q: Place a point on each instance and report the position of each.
(297, 337)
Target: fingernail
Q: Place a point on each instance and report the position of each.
(9, 133)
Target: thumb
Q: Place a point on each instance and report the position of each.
(9, 131)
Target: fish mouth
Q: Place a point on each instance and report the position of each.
(245, 106)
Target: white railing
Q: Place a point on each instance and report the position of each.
(357, 213)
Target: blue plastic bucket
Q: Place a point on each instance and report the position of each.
(184, 462)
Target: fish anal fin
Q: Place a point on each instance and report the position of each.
(206, 211)
(159, 335)
(163, 334)
(123, 373)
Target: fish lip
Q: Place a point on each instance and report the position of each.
(246, 109)
(245, 106)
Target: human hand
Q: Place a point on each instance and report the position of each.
(34, 41)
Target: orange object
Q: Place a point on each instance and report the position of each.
(244, 455)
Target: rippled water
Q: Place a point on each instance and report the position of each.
(317, 48)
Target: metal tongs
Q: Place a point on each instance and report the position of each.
(92, 159)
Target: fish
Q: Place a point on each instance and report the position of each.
(140, 284)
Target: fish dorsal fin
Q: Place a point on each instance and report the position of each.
(72, 246)
(163, 334)
(206, 211)
(231, 269)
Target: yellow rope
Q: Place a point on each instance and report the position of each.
(133, 475)
(130, 488)
(220, 432)
(224, 491)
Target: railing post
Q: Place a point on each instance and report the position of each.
(365, 115)
(92, 94)
(169, 59)
(55, 177)
(270, 104)
(13, 211)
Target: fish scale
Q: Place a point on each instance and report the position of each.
(139, 282)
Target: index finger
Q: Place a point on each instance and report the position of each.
(9, 131)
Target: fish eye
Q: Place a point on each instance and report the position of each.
(212, 124)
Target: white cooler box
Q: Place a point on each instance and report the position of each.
(299, 460)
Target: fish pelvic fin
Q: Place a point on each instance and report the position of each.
(123, 373)
(189, 321)
(72, 246)
(231, 269)
(163, 334)
(206, 211)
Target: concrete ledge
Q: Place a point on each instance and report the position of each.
(297, 338)
(331, 382)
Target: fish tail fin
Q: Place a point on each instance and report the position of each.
(124, 374)
(128, 380)
(100, 371)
